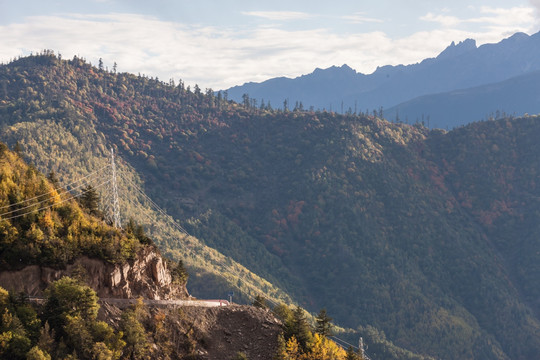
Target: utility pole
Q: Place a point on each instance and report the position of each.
(115, 208)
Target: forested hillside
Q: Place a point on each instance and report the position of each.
(58, 133)
(61, 231)
(43, 224)
(426, 235)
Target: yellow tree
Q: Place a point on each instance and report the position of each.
(293, 350)
(324, 349)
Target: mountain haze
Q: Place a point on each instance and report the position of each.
(515, 96)
(427, 238)
(460, 66)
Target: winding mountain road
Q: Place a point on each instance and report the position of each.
(163, 303)
(199, 303)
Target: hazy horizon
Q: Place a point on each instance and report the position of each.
(220, 45)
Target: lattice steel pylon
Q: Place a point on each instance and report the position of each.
(114, 209)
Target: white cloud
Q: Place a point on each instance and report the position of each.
(444, 20)
(223, 57)
(536, 6)
(499, 17)
(360, 18)
(279, 15)
(505, 17)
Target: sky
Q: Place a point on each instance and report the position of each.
(218, 44)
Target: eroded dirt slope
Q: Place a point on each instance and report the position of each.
(218, 333)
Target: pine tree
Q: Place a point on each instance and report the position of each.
(138, 231)
(54, 179)
(323, 323)
(90, 200)
(180, 275)
(301, 328)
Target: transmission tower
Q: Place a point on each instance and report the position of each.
(114, 209)
(361, 351)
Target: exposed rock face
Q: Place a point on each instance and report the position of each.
(147, 275)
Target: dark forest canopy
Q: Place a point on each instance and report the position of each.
(429, 236)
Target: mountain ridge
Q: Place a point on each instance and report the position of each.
(461, 48)
(513, 97)
(459, 66)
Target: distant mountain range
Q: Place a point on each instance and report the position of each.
(412, 91)
(513, 97)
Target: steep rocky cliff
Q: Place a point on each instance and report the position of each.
(147, 276)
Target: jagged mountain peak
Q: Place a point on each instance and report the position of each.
(461, 48)
(334, 72)
(461, 65)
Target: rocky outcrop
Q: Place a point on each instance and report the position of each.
(146, 276)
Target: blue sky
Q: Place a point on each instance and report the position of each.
(219, 44)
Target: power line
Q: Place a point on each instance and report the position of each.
(87, 176)
(340, 342)
(337, 341)
(157, 207)
(60, 202)
(232, 271)
(161, 211)
(116, 216)
(61, 193)
(226, 266)
(52, 192)
(182, 230)
(344, 342)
